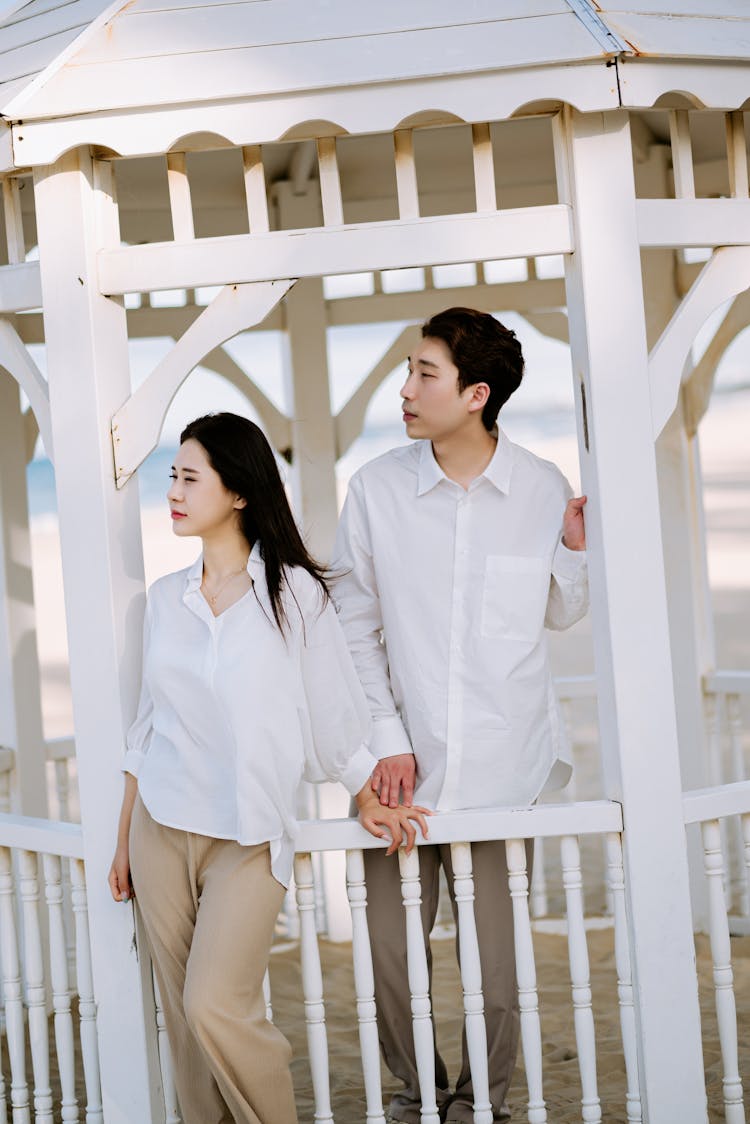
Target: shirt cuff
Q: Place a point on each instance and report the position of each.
(133, 761)
(568, 563)
(389, 738)
(358, 771)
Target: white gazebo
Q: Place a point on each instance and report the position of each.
(254, 149)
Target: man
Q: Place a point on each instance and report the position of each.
(455, 552)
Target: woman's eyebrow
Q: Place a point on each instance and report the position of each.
(195, 471)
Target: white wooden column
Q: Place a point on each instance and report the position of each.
(100, 535)
(308, 395)
(20, 702)
(683, 536)
(637, 715)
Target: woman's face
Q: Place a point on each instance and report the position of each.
(198, 501)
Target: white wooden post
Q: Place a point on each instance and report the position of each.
(165, 1060)
(12, 996)
(637, 716)
(580, 978)
(86, 1004)
(738, 872)
(528, 996)
(20, 705)
(616, 881)
(419, 985)
(681, 508)
(36, 989)
(312, 988)
(64, 1038)
(313, 472)
(87, 360)
(364, 986)
(471, 981)
(721, 955)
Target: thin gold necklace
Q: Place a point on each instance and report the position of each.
(213, 598)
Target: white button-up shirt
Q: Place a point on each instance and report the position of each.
(444, 595)
(232, 714)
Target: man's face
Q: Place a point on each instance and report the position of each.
(433, 406)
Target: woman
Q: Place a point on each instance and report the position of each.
(247, 687)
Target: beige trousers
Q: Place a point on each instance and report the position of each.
(494, 918)
(209, 907)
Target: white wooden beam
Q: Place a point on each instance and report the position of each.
(137, 424)
(179, 197)
(277, 425)
(552, 323)
(350, 419)
(484, 167)
(737, 155)
(100, 539)
(693, 222)
(446, 240)
(699, 385)
(15, 358)
(255, 189)
(14, 235)
(723, 276)
(330, 182)
(682, 154)
(313, 474)
(20, 700)
(20, 287)
(406, 174)
(637, 716)
(516, 296)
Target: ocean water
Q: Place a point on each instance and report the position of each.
(527, 427)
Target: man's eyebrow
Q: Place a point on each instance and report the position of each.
(424, 362)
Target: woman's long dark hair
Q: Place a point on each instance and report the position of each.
(240, 453)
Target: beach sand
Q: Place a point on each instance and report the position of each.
(726, 459)
(561, 1076)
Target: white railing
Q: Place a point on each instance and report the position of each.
(723, 694)
(34, 958)
(564, 822)
(711, 808)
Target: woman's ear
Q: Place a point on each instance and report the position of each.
(239, 503)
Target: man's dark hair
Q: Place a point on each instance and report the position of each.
(484, 350)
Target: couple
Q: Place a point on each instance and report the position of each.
(453, 553)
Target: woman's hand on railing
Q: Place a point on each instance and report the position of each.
(397, 822)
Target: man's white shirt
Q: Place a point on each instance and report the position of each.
(444, 595)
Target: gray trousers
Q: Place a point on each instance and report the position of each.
(494, 919)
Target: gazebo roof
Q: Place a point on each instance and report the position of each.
(255, 70)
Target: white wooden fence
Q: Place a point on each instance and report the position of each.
(35, 978)
(34, 854)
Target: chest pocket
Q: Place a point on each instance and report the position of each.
(514, 598)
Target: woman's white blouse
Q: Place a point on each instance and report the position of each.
(233, 715)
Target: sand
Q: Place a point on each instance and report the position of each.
(726, 459)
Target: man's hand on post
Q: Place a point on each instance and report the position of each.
(574, 530)
(392, 776)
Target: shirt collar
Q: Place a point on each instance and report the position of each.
(498, 471)
(194, 576)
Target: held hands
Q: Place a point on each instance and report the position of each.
(396, 821)
(393, 774)
(574, 530)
